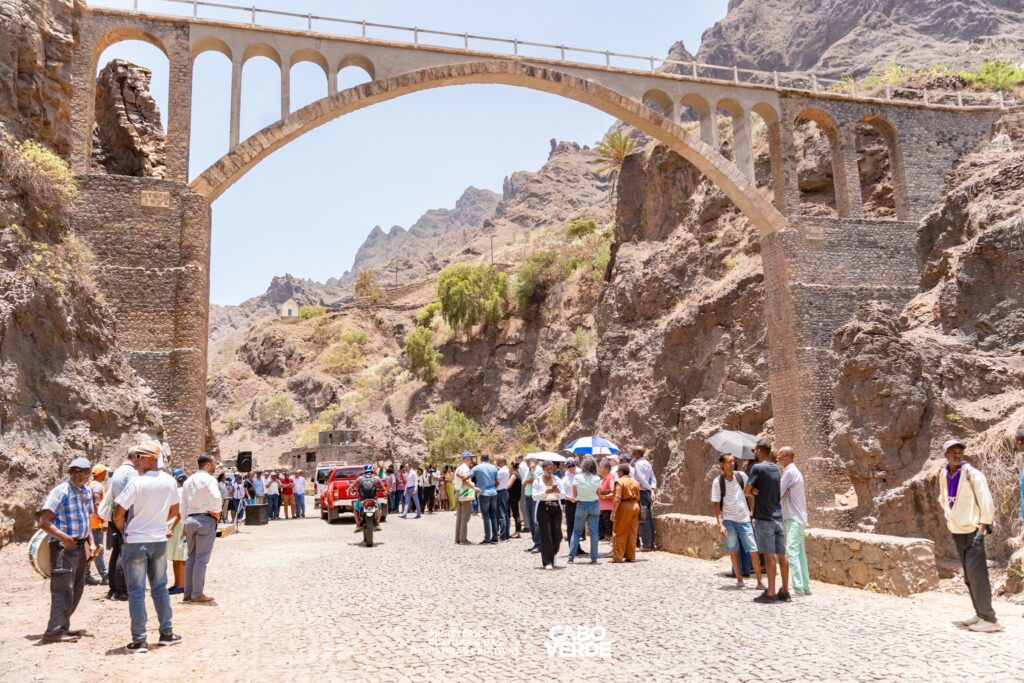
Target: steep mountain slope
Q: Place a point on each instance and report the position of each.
(839, 37)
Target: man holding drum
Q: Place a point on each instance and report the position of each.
(64, 516)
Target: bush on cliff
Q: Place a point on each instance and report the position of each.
(423, 357)
(472, 295)
(449, 432)
(307, 312)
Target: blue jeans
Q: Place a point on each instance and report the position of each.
(411, 495)
(300, 504)
(503, 514)
(101, 566)
(142, 560)
(393, 497)
(587, 512)
(489, 511)
(273, 505)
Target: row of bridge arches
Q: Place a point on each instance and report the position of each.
(752, 136)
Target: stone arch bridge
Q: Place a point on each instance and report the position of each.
(152, 237)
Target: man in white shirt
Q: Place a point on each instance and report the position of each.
(411, 492)
(300, 494)
(201, 498)
(643, 472)
(794, 517)
(732, 511)
(152, 498)
(526, 501)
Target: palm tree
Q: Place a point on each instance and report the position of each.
(613, 149)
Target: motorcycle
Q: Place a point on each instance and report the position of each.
(369, 520)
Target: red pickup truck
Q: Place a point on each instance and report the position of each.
(335, 498)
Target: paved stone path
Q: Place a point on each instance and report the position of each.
(301, 598)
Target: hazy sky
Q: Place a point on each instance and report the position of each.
(307, 208)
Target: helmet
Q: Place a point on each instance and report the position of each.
(367, 468)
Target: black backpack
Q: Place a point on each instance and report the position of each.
(367, 487)
(742, 478)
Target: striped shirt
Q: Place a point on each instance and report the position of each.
(71, 508)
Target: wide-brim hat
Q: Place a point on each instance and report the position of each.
(149, 449)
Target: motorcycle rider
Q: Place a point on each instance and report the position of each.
(366, 487)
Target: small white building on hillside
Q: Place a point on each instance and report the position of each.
(289, 309)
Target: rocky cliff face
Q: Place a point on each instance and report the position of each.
(35, 68)
(226, 320)
(951, 363)
(838, 37)
(128, 138)
(65, 388)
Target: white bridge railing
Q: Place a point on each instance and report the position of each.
(511, 47)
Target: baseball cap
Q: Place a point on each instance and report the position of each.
(467, 454)
(99, 469)
(953, 442)
(625, 458)
(367, 468)
(80, 464)
(570, 463)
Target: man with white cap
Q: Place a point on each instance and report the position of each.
(152, 498)
(64, 516)
(967, 505)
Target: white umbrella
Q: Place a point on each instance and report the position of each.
(592, 445)
(547, 456)
(739, 444)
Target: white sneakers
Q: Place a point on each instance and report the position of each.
(967, 623)
(983, 626)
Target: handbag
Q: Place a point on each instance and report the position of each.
(106, 508)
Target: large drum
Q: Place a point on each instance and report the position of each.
(39, 553)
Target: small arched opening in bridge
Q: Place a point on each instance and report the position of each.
(211, 103)
(819, 167)
(121, 107)
(735, 134)
(260, 102)
(659, 101)
(354, 70)
(308, 78)
(695, 108)
(880, 167)
(769, 169)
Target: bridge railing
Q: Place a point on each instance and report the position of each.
(510, 47)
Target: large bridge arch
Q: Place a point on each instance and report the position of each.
(738, 187)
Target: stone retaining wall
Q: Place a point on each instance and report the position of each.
(890, 564)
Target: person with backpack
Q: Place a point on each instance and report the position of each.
(967, 506)
(764, 485)
(366, 488)
(732, 512)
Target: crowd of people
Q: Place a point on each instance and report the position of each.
(610, 497)
(150, 517)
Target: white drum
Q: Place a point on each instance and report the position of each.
(39, 553)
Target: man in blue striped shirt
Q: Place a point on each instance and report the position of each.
(643, 472)
(64, 516)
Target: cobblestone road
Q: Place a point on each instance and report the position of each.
(300, 598)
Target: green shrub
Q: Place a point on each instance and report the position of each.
(449, 432)
(993, 75)
(280, 406)
(601, 258)
(556, 420)
(307, 312)
(472, 295)
(367, 285)
(581, 227)
(423, 357)
(534, 279)
(347, 352)
(41, 181)
(426, 315)
(582, 340)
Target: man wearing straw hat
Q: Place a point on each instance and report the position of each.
(152, 498)
(64, 516)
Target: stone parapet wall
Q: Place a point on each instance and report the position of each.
(890, 564)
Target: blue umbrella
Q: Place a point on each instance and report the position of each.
(593, 445)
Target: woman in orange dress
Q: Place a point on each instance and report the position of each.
(625, 516)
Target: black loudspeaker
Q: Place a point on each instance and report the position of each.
(243, 463)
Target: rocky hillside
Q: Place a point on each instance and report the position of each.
(65, 387)
(839, 37)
